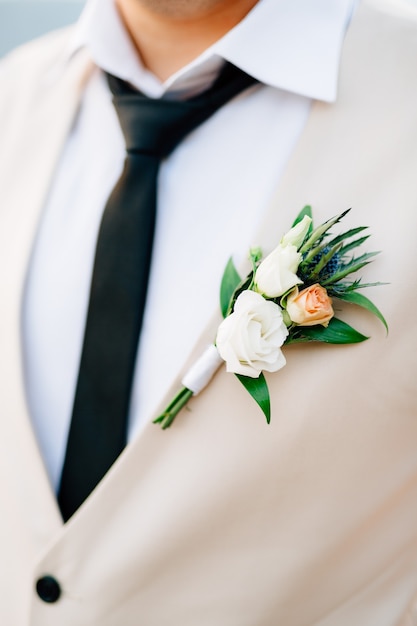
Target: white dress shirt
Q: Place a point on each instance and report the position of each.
(212, 192)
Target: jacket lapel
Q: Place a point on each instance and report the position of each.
(28, 171)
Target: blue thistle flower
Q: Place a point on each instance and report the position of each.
(331, 267)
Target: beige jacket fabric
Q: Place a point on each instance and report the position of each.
(222, 520)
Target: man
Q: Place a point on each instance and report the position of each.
(220, 519)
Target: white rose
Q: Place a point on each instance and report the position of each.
(296, 235)
(249, 339)
(277, 272)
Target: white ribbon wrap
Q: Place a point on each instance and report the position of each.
(203, 370)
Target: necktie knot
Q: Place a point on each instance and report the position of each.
(154, 127)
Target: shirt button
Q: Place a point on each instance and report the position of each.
(48, 589)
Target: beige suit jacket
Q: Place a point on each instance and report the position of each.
(222, 520)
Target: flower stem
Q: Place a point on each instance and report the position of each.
(174, 407)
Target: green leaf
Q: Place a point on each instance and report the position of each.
(230, 281)
(305, 211)
(353, 244)
(337, 332)
(319, 232)
(258, 389)
(365, 303)
(347, 234)
(349, 268)
(357, 284)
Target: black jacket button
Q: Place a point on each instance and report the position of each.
(48, 589)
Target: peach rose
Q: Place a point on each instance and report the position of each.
(310, 306)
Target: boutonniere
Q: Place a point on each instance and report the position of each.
(286, 298)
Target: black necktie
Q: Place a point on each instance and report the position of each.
(152, 129)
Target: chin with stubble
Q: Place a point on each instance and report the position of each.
(183, 9)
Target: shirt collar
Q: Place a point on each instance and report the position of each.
(293, 45)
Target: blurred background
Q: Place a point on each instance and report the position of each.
(22, 20)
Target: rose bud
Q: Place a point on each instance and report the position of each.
(277, 273)
(310, 306)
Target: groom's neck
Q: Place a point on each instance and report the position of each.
(168, 34)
